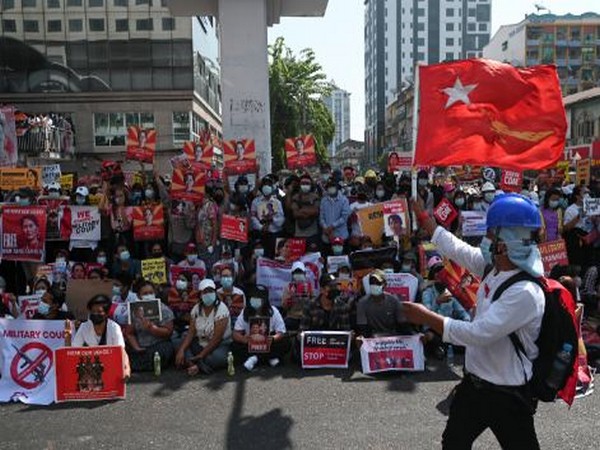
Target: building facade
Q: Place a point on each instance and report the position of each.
(349, 153)
(109, 64)
(571, 42)
(399, 34)
(399, 121)
(338, 105)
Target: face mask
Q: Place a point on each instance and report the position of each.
(101, 260)
(298, 277)
(332, 191)
(243, 188)
(337, 249)
(137, 195)
(460, 202)
(259, 252)
(324, 176)
(305, 188)
(60, 262)
(376, 289)
(124, 255)
(148, 297)
(554, 204)
(476, 205)
(97, 319)
(344, 276)
(191, 259)
(149, 194)
(406, 267)
(119, 200)
(256, 303)
(209, 298)
(526, 256)
(563, 202)
(40, 292)
(181, 285)
(116, 291)
(489, 197)
(227, 282)
(422, 182)
(43, 308)
(23, 202)
(54, 194)
(388, 270)
(485, 247)
(267, 190)
(379, 193)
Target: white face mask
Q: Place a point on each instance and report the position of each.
(101, 260)
(181, 285)
(380, 193)
(259, 252)
(148, 297)
(243, 188)
(298, 276)
(149, 194)
(191, 259)
(332, 191)
(256, 303)
(489, 197)
(40, 292)
(267, 190)
(305, 188)
(376, 289)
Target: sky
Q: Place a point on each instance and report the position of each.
(338, 41)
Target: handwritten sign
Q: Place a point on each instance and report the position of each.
(85, 223)
(51, 174)
(154, 270)
(591, 206)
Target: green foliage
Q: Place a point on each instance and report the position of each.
(297, 85)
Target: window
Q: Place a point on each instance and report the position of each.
(505, 46)
(95, 3)
(143, 2)
(52, 4)
(181, 127)
(144, 25)
(421, 42)
(420, 56)
(54, 26)
(449, 12)
(110, 129)
(449, 27)
(96, 24)
(472, 12)
(120, 2)
(75, 3)
(449, 42)
(29, 3)
(121, 25)
(7, 4)
(471, 27)
(31, 26)
(420, 26)
(75, 25)
(482, 27)
(421, 12)
(449, 56)
(168, 23)
(9, 26)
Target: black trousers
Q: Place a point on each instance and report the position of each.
(475, 408)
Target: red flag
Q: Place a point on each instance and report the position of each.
(482, 112)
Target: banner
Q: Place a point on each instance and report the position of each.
(197, 273)
(276, 275)
(289, 249)
(461, 283)
(300, 152)
(258, 338)
(85, 223)
(335, 262)
(188, 185)
(27, 359)
(141, 144)
(199, 153)
(397, 163)
(445, 212)
(473, 223)
(154, 270)
(396, 221)
(51, 174)
(24, 233)
(583, 172)
(553, 253)
(403, 285)
(9, 149)
(325, 349)
(396, 353)
(591, 206)
(234, 228)
(13, 179)
(511, 181)
(240, 156)
(28, 305)
(89, 373)
(148, 223)
(142, 310)
(370, 220)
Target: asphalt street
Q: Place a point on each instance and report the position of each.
(277, 408)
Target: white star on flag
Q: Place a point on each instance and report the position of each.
(458, 93)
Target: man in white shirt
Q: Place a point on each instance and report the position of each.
(494, 393)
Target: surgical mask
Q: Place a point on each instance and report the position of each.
(227, 282)
(148, 297)
(525, 193)
(563, 202)
(305, 188)
(489, 197)
(485, 247)
(256, 303)
(332, 191)
(376, 289)
(97, 319)
(526, 256)
(406, 267)
(554, 204)
(344, 276)
(125, 255)
(422, 182)
(23, 202)
(388, 270)
(60, 262)
(191, 258)
(43, 308)
(116, 291)
(80, 200)
(101, 260)
(149, 194)
(337, 249)
(380, 193)
(209, 298)
(181, 285)
(259, 252)
(324, 176)
(476, 205)
(298, 276)
(243, 188)
(460, 202)
(54, 194)
(40, 292)
(267, 190)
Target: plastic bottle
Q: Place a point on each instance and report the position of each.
(560, 366)
(230, 366)
(450, 355)
(156, 364)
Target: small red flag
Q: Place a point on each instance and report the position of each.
(482, 112)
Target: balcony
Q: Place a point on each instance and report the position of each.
(533, 42)
(561, 62)
(561, 43)
(575, 61)
(575, 43)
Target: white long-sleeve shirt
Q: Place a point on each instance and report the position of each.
(490, 354)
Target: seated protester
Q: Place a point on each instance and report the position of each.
(233, 297)
(78, 271)
(124, 263)
(259, 307)
(295, 296)
(145, 338)
(207, 342)
(8, 302)
(100, 330)
(102, 259)
(305, 206)
(378, 313)
(122, 295)
(41, 286)
(227, 260)
(96, 274)
(329, 311)
(191, 258)
(181, 299)
(49, 307)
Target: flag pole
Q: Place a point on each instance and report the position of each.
(415, 129)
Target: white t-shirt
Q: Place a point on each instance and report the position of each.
(205, 325)
(86, 335)
(583, 223)
(276, 323)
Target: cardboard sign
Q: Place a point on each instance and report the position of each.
(9, 149)
(141, 144)
(240, 156)
(461, 283)
(445, 212)
(79, 293)
(199, 153)
(591, 206)
(24, 233)
(370, 220)
(188, 185)
(144, 309)
(197, 273)
(397, 353)
(89, 373)
(290, 249)
(234, 228)
(335, 262)
(148, 223)
(583, 172)
(396, 222)
(473, 223)
(403, 285)
(12, 179)
(51, 174)
(259, 341)
(85, 223)
(300, 152)
(553, 253)
(511, 181)
(397, 163)
(154, 270)
(325, 349)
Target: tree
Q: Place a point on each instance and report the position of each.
(297, 86)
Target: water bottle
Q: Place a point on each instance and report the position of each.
(230, 366)
(560, 366)
(450, 355)
(156, 364)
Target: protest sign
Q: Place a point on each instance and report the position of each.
(85, 223)
(511, 181)
(300, 152)
(51, 174)
(144, 310)
(24, 233)
(461, 283)
(154, 270)
(198, 153)
(141, 144)
(27, 358)
(396, 353)
(148, 223)
(240, 156)
(404, 285)
(427, 250)
(12, 179)
(445, 212)
(79, 293)
(234, 228)
(188, 185)
(28, 305)
(490, 174)
(325, 349)
(9, 149)
(58, 220)
(67, 180)
(399, 162)
(180, 162)
(370, 220)
(197, 274)
(335, 262)
(289, 249)
(89, 373)
(473, 223)
(396, 218)
(591, 206)
(583, 172)
(553, 253)
(258, 338)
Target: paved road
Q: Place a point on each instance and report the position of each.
(275, 409)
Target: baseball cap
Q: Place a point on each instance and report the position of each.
(82, 190)
(378, 274)
(207, 283)
(298, 265)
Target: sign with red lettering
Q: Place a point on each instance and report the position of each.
(511, 181)
(396, 353)
(444, 212)
(141, 144)
(148, 223)
(397, 162)
(290, 249)
(553, 253)
(258, 337)
(300, 152)
(188, 184)
(234, 228)
(461, 283)
(325, 349)
(24, 233)
(240, 156)
(89, 373)
(85, 223)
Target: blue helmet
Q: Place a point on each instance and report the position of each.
(513, 210)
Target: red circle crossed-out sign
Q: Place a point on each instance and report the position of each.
(33, 360)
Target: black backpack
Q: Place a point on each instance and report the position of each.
(557, 328)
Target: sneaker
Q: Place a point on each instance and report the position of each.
(251, 363)
(274, 362)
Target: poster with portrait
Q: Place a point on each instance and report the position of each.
(461, 283)
(141, 144)
(396, 353)
(234, 228)
(148, 223)
(398, 162)
(396, 218)
(144, 310)
(258, 337)
(300, 152)
(199, 153)
(12, 179)
(289, 249)
(9, 150)
(197, 274)
(188, 185)
(240, 156)
(24, 233)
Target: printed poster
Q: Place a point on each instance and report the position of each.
(325, 349)
(148, 223)
(188, 185)
(234, 228)
(259, 341)
(9, 150)
(28, 364)
(335, 262)
(511, 181)
(403, 285)
(553, 253)
(396, 353)
(12, 179)
(473, 223)
(199, 153)
(142, 310)
(370, 220)
(67, 180)
(445, 212)
(300, 152)
(24, 233)
(461, 283)
(399, 162)
(141, 144)
(396, 218)
(85, 223)
(28, 305)
(154, 270)
(89, 373)
(427, 250)
(51, 174)
(289, 249)
(583, 172)
(240, 156)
